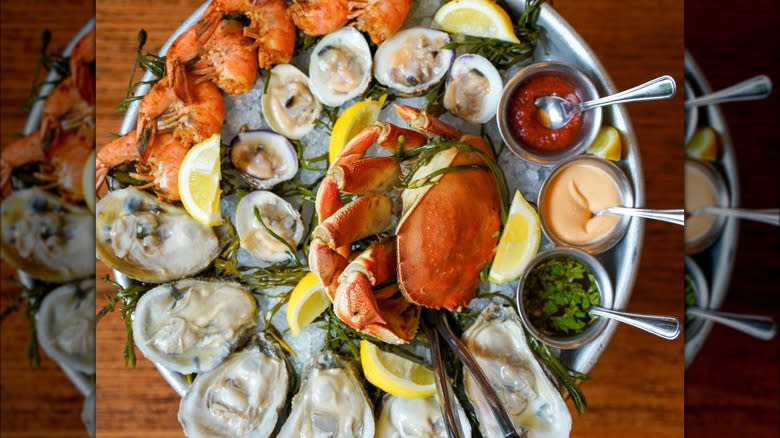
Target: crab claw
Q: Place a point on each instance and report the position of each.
(422, 121)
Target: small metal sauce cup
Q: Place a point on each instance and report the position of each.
(702, 297)
(708, 238)
(691, 114)
(605, 292)
(585, 90)
(626, 195)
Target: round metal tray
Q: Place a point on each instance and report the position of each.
(717, 261)
(560, 42)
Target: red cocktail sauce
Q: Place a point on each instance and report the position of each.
(523, 120)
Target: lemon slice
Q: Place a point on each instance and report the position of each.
(703, 144)
(307, 301)
(607, 144)
(394, 374)
(353, 120)
(199, 181)
(88, 182)
(480, 18)
(519, 241)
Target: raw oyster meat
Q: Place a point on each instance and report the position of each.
(149, 240)
(331, 402)
(416, 417)
(498, 343)
(66, 326)
(242, 397)
(45, 237)
(191, 326)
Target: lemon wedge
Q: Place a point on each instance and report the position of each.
(480, 18)
(607, 144)
(519, 241)
(395, 374)
(353, 120)
(307, 301)
(88, 182)
(703, 144)
(199, 181)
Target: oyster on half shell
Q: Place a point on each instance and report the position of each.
(498, 343)
(331, 402)
(242, 397)
(190, 326)
(149, 240)
(45, 237)
(416, 417)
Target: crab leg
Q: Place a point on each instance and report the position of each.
(369, 175)
(421, 120)
(371, 214)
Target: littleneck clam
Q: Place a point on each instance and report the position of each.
(45, 237)
(473, 89)
(413, 60)
(242, 397)
(416, 417)
(278, 215)
(149, 240)
(498, 343)
(340, 66)
(190, 326)
(289, 106)
(265, 158)
(331, 402)
(65, 325)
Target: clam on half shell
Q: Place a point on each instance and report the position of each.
(242, 397)
(413, 60)
(498, 343)
(191, 326)
(289, 106)
(278, 215)
(149, 240)
(265, 158)
(340, 66)
(473, 89)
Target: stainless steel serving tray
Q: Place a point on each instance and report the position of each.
(559, 42)
(717, 261)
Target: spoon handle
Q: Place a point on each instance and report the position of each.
(658, 88)
(675, 216)
(443, 387)
(761, 327)
(757, 87)
(766, 215)
(666, 327)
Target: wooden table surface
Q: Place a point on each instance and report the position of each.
(733, 387)
(637, 387)
(33, 402)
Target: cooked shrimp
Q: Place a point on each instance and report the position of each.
(189, 123)
(380, 18)
(65, 162)
(82, 66)
(20, 152)
(64, 101)
(319, 17)
(119, 151)
(229, 59)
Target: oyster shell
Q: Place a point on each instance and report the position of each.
(416, 417)
(473, 89)
(340, 66)
(242, 397)
(265, 158)
(65, 325)
(289, 106)
(190, 326)
(45, 237)
(278, 215)
(331, 402)
(498, 343)
(413, 60)
(149, 240)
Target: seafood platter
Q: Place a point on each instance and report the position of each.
(47, 222)
(320, 251)
(712, 261)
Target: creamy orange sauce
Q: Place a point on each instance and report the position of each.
(699, 193)
(571, 198)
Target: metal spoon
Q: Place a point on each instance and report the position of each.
(761, 327)
(665, 327)
(757, 87)
(766, 215)
(674, 216)
(555, 112)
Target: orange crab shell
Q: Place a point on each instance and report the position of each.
(450, 234)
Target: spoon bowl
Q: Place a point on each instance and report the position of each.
(555, 112)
